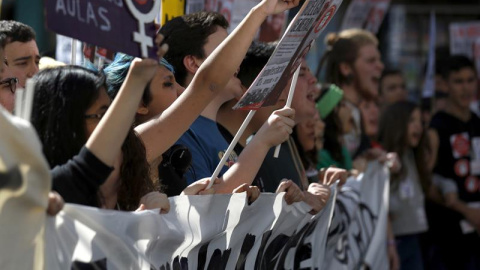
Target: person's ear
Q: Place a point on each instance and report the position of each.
(191, 63)
(142, 110)
(346, 69)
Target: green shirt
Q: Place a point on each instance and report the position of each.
(325, 160)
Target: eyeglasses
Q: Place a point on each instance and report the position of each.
(11, 83)
(94, 116)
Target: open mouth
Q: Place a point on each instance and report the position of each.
(416, 136)
(310, 97)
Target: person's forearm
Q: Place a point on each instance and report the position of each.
(245, 169)
(161, 133)
(460, 207)
(107, 138)
(227, 57)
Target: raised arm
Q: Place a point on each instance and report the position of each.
(161, 133)
(107, 138)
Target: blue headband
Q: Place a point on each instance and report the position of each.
(165, 63)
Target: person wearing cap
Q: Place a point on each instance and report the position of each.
(338, 121)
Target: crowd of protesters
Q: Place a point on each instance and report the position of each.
(127, 135)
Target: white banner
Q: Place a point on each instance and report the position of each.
(357, 236)
(219, 231)
(199, 232)
(224, 232)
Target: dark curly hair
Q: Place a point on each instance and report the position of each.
(62, 96)
(186, 35)
(16, 31)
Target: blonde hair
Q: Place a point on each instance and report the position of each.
(343, 48)
(48, 62)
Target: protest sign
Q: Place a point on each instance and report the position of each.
(365, 14)
(463, 36)
(311, 19)
(193, 6)
(240, 10)
(171, 9)
(224, 7)
(63, 51)
(120, 25)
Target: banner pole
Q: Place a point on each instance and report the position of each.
(289, 103)
(230, 147)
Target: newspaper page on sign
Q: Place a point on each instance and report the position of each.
(365, 14)
(311, 19)
(463, 36)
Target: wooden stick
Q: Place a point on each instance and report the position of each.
(289, 103)
(230, 147)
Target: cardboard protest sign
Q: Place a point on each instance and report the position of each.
(365, 14)
(463, 36)
(120, 25)
(171, 9)
(311, 19)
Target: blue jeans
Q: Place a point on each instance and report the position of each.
(409, 251)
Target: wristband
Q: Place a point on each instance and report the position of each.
(391, 242)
